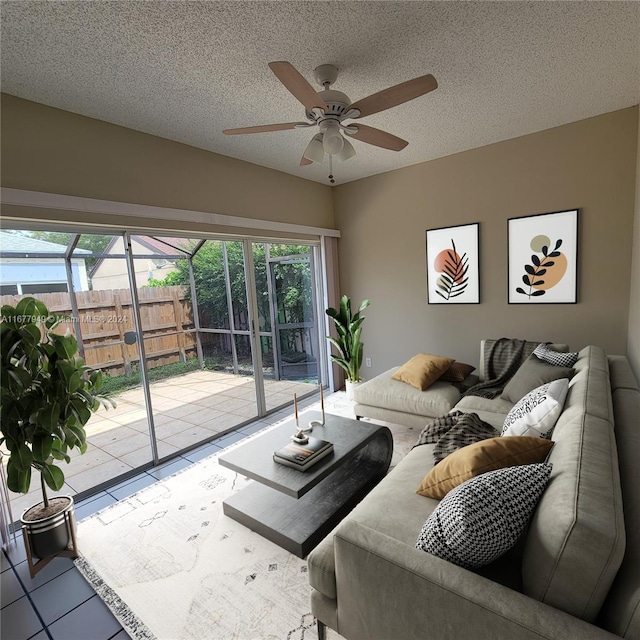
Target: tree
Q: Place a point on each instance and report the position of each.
(48, 395)
(293, 284)
(89, 241)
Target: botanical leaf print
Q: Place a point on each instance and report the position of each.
(453, 269)
(545, 271)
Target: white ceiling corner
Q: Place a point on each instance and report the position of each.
(187, 70)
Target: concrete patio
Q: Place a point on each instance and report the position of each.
(188, 410)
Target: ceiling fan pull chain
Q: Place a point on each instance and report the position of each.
(331, 180)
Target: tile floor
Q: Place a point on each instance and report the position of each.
(58, 604)
(187, 409)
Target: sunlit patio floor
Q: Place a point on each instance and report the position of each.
(187, 410)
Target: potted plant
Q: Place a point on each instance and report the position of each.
(48, 395)
(348, 344)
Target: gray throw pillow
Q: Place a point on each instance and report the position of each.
(533, 373)
(481, 519)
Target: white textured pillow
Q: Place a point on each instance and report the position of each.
(481, 519)
(537, 413)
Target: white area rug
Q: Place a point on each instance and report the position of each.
(171, 566)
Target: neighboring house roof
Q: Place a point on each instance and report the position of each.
(181, 246)
(15, 243)
(169, 246)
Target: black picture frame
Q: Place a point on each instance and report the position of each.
(453, 264)
(543, 258)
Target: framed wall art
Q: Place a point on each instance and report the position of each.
(453, 271)
(543, 258)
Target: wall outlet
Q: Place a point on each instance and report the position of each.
(367, 362)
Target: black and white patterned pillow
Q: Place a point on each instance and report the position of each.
(536, 414)
(556, 358)
(481, 519)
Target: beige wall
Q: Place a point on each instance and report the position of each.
(634, 294)
(590, 165)
(50, 150)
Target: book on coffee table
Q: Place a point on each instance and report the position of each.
(303, 456)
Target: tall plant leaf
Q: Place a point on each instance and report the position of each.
(53, 476)
(21, 456)
(348, 326)
(41, 448)
(47, 395)
(18, 481)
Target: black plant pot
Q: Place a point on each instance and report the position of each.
(50, 535)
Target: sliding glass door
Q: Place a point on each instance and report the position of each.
(287, 327)
(196, 337)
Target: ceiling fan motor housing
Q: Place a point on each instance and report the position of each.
(336, 101)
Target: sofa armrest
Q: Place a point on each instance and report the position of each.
(387, 589)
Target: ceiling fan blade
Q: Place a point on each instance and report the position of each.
(264, 128)
(393, 96)
(305, 161)
(295, 82)
(378, 137)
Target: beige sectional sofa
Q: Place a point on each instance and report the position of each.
(384, 398)
(575, 573)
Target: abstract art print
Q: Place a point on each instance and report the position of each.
(543, 258)
(453, 265)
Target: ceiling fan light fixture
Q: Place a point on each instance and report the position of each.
(332, 139)
(315, 149)
(347, 151)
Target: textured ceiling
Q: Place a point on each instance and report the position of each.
(187, 70)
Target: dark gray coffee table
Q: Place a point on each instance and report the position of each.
(297, 509)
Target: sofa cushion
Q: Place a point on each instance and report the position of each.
(620, 613)
(494, 411)
(392, 507)
(481, 519)
(576, 538)
(536, 414)
(531, 374)
(411, 420)
(590, 388)
(480, 457)
(621, 374)
(557, 358)
(594, 358)
(383, 391)
(422, 370)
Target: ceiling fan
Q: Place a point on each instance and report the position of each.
(328, 109)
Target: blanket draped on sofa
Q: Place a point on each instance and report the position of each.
(454, 431)
(502, 358)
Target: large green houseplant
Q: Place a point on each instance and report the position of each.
(48, 394)
(348, 344)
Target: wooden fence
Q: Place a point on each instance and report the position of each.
(104, 317)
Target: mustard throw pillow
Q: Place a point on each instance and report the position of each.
(480, 457)
(422, 370)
